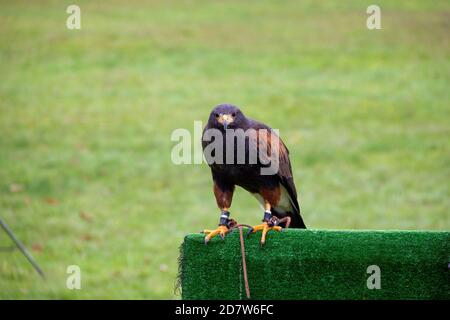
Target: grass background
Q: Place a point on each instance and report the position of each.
(86, 116)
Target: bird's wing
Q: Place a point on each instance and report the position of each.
(270, 141)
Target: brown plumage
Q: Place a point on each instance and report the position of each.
(276, 192)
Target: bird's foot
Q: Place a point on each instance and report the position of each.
(221, 230)
(266, 226)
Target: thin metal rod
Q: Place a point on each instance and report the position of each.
(21, 248)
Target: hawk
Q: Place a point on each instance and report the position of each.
(231, 166)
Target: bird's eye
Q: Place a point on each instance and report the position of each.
(217, 115)
(233, 114)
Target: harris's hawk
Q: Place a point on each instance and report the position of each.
(275, 191)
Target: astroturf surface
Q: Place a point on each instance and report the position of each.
(318, 264)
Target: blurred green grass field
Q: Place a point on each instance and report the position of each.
(86, 116)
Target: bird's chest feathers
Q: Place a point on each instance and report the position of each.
(237, 160)
(236, 149)
(236, 171)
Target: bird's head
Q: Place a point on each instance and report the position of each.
(227, 116)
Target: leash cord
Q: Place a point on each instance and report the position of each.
(232, 225)
(244, 265)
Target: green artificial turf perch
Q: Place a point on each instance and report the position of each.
(318, 264)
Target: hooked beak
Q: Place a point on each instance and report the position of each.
(225, 120)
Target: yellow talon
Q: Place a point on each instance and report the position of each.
(265, 228)
(221, 230)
